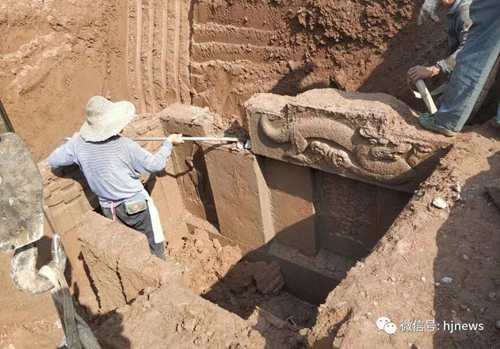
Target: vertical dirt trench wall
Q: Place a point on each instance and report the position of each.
(158, 53)
(219, 53)
(210, 52)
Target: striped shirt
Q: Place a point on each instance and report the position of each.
(113, 167)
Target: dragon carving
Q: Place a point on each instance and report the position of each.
(345, 149)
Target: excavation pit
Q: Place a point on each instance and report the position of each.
(282, 205)
(259, 237)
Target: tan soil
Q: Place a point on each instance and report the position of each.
(213, 272)
(55, 55)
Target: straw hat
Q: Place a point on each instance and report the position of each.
(105, 118)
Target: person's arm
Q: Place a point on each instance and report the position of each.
(145, 162)
(64, 155)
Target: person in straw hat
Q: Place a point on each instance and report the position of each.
(113, 164)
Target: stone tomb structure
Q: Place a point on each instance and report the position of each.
(326, 177)
(362, 155)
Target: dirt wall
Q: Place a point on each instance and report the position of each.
(54, 56)
(209, 53)
(286, 47)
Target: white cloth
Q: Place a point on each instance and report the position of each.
(428, 11)
(155, 218)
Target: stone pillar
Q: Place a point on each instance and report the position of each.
(196, 191)
(291, 189)
(241, 195)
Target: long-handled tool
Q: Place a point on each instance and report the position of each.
(200, 139)
(424, 94)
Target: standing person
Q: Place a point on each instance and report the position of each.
(474, 64)
(459, 23)
(112, 166)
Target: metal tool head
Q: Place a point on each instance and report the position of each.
(21, 199)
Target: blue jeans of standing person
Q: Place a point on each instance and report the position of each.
(474, 64)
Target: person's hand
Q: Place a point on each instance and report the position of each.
(175, 139)
(428, 11)
(420, 72)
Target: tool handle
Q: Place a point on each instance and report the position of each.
(192, 139)
(426, 96)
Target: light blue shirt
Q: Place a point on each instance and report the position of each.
(113, 167)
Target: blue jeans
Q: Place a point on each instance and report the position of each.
(474, 64)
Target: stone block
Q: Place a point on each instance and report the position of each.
(167, 195)
(373, 138)
(70, 193)
(65, 182)
(347, 215)
(158, 196)
(62, 218)
(85, 204)
(52, 186)
(171, 191)
(241, 196)
(46, 192)
(75, 210)
(188, 120)
(191, 172)
(54, 198)
(292, 198)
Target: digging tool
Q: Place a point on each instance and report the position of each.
(189, 139)
(5, 124)
(425, 95)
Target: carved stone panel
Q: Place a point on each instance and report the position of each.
(373, 138)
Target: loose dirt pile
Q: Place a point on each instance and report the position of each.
(218, 275)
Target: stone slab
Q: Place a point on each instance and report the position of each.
(373, 138)
(193, 180)
(189, 120)
(241, 195)
(353, 216)
(292, 198)
(165, 190)
(347, 220)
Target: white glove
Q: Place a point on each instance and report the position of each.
(427, 11)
